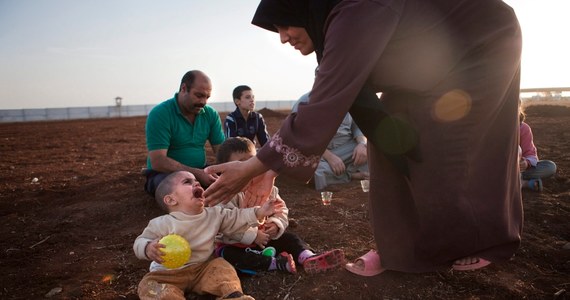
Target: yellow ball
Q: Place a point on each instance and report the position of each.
(176, 251)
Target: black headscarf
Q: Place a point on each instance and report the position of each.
(309, 14)
(367, 111)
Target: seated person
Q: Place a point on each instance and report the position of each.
(180, 195)
(532, 169)
(346, 156)
(177, 130)
(245, 254)
(244, 121)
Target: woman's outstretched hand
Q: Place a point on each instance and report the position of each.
(234, 176)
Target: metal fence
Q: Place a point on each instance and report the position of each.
(71, 113)
(561, 93)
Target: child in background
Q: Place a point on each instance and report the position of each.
(244, 121)
(245, 254)
(180, 194)
(532, 169)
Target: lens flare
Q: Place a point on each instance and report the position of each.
(452, 106)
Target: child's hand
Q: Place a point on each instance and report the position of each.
(258, 189)
(261, 239)
(271, 229)
(270, 207)
(152, 251)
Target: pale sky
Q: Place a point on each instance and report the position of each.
(72, 53)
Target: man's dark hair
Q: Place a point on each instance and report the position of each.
(239, 90)
(188, 79)
(233, 145)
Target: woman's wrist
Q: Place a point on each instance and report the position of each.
(254, 167)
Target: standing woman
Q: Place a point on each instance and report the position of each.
(444, 187)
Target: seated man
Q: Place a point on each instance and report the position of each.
(177, 130)
(244, 121)
(346, 155)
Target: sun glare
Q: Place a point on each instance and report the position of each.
(544, 26)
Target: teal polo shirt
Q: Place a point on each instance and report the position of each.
(167, 128)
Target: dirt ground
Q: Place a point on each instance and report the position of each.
(69, 233)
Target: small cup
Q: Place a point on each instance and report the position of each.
(326, 197)
(365, 184)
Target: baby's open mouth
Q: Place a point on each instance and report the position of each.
(198, 193)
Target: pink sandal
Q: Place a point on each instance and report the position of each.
(324, 262)
(371, 263)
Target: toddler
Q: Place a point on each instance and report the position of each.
(180, 194)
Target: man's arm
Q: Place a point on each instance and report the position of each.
(262, 134)
(216, 136)
(215, 148)
(359, 154)
(335, 162)
(230, 126)
(162, 163)
(361, 139)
